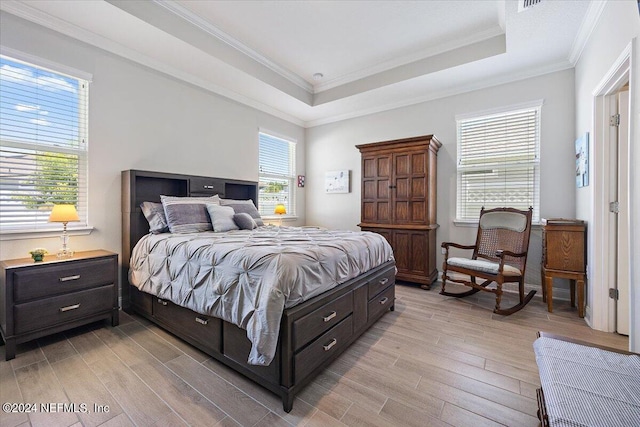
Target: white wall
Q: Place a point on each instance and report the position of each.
(619, 26)
(142, 119)
(332, 146)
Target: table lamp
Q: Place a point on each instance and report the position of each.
(64, 214)
(280, 210)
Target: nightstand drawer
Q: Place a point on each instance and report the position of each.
(48, 312)
(54, 279)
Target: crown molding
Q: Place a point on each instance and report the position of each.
(507, 78)
(407, 59)
(209, 28)
(46, 20)
(586, 29)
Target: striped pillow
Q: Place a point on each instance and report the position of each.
(188, 214)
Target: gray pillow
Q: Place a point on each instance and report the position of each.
(244, 221)
(222, 218)
(244, 206)
(188, 214)
(154, 212)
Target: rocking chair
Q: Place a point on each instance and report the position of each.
(499, 255)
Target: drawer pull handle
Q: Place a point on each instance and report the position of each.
(384, 281)
(68, 278)
(202, 321)
(163, 302)
(329, 317)
(384, 300)
(69, 308)
(208, 187)
(330, 345)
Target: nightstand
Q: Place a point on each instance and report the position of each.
(564, 255)
(42, 298)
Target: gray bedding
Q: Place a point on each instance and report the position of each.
(248, 277)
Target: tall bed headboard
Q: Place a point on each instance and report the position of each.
(146, 186)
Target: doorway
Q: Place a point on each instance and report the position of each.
(610, 227)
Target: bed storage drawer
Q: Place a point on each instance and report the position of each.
(204, 329)
(379, 284)
(55, 279)
(236, 346)
(322, 349)
(44, 313)
(381, 303)
(315, 323)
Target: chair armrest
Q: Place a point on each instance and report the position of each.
(455, 245)
(501, 254)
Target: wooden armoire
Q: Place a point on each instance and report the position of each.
(399, 202)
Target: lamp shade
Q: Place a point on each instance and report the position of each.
(64, 213)
(280, 209)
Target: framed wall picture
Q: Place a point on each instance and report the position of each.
(582, 160)
(337, 181)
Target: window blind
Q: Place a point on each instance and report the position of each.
(498, 162)
(43, 145)
(277, 174)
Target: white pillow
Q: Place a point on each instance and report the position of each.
(222, 218)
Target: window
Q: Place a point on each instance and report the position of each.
(498, 161)
(43, 145)
(277, 174)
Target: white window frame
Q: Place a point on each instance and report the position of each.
(38, 224)
(467, 213)
(289, 199)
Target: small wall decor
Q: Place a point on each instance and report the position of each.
(300, 180)
(582, 160)
(337, 181)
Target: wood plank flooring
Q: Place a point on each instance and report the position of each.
(434, 361)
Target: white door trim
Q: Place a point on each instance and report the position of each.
(601, 270)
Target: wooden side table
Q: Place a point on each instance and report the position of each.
(564, 255)
(42, 298)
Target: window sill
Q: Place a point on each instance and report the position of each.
(39, 234)
(284, 218)
(460, 223)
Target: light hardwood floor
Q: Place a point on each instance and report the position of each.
(433, 361)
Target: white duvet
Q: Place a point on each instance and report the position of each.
(249, 277)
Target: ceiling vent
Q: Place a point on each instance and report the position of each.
(527, 4)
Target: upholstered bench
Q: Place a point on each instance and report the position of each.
(586, 385)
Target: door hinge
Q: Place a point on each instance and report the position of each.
(614, 207)
(613, 293)
(614, 120)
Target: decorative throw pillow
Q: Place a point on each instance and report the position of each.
(222, 218)
(154, 212)
(188, 214)
(244, 221)
(244, 206)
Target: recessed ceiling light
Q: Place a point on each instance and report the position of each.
(318, 76)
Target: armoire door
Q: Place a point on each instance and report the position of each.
(409, 187)
(376, 189)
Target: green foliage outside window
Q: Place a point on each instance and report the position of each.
(55, 181)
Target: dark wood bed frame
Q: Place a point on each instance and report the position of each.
(312, 334)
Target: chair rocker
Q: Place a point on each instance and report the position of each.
(499, 255)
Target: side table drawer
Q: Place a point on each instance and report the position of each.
(57, 279)
(49, 312)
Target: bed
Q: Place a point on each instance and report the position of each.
(583, 384)
(297, 336)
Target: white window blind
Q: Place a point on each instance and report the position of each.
(277, 174)
(498, 162)
(43, 145)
